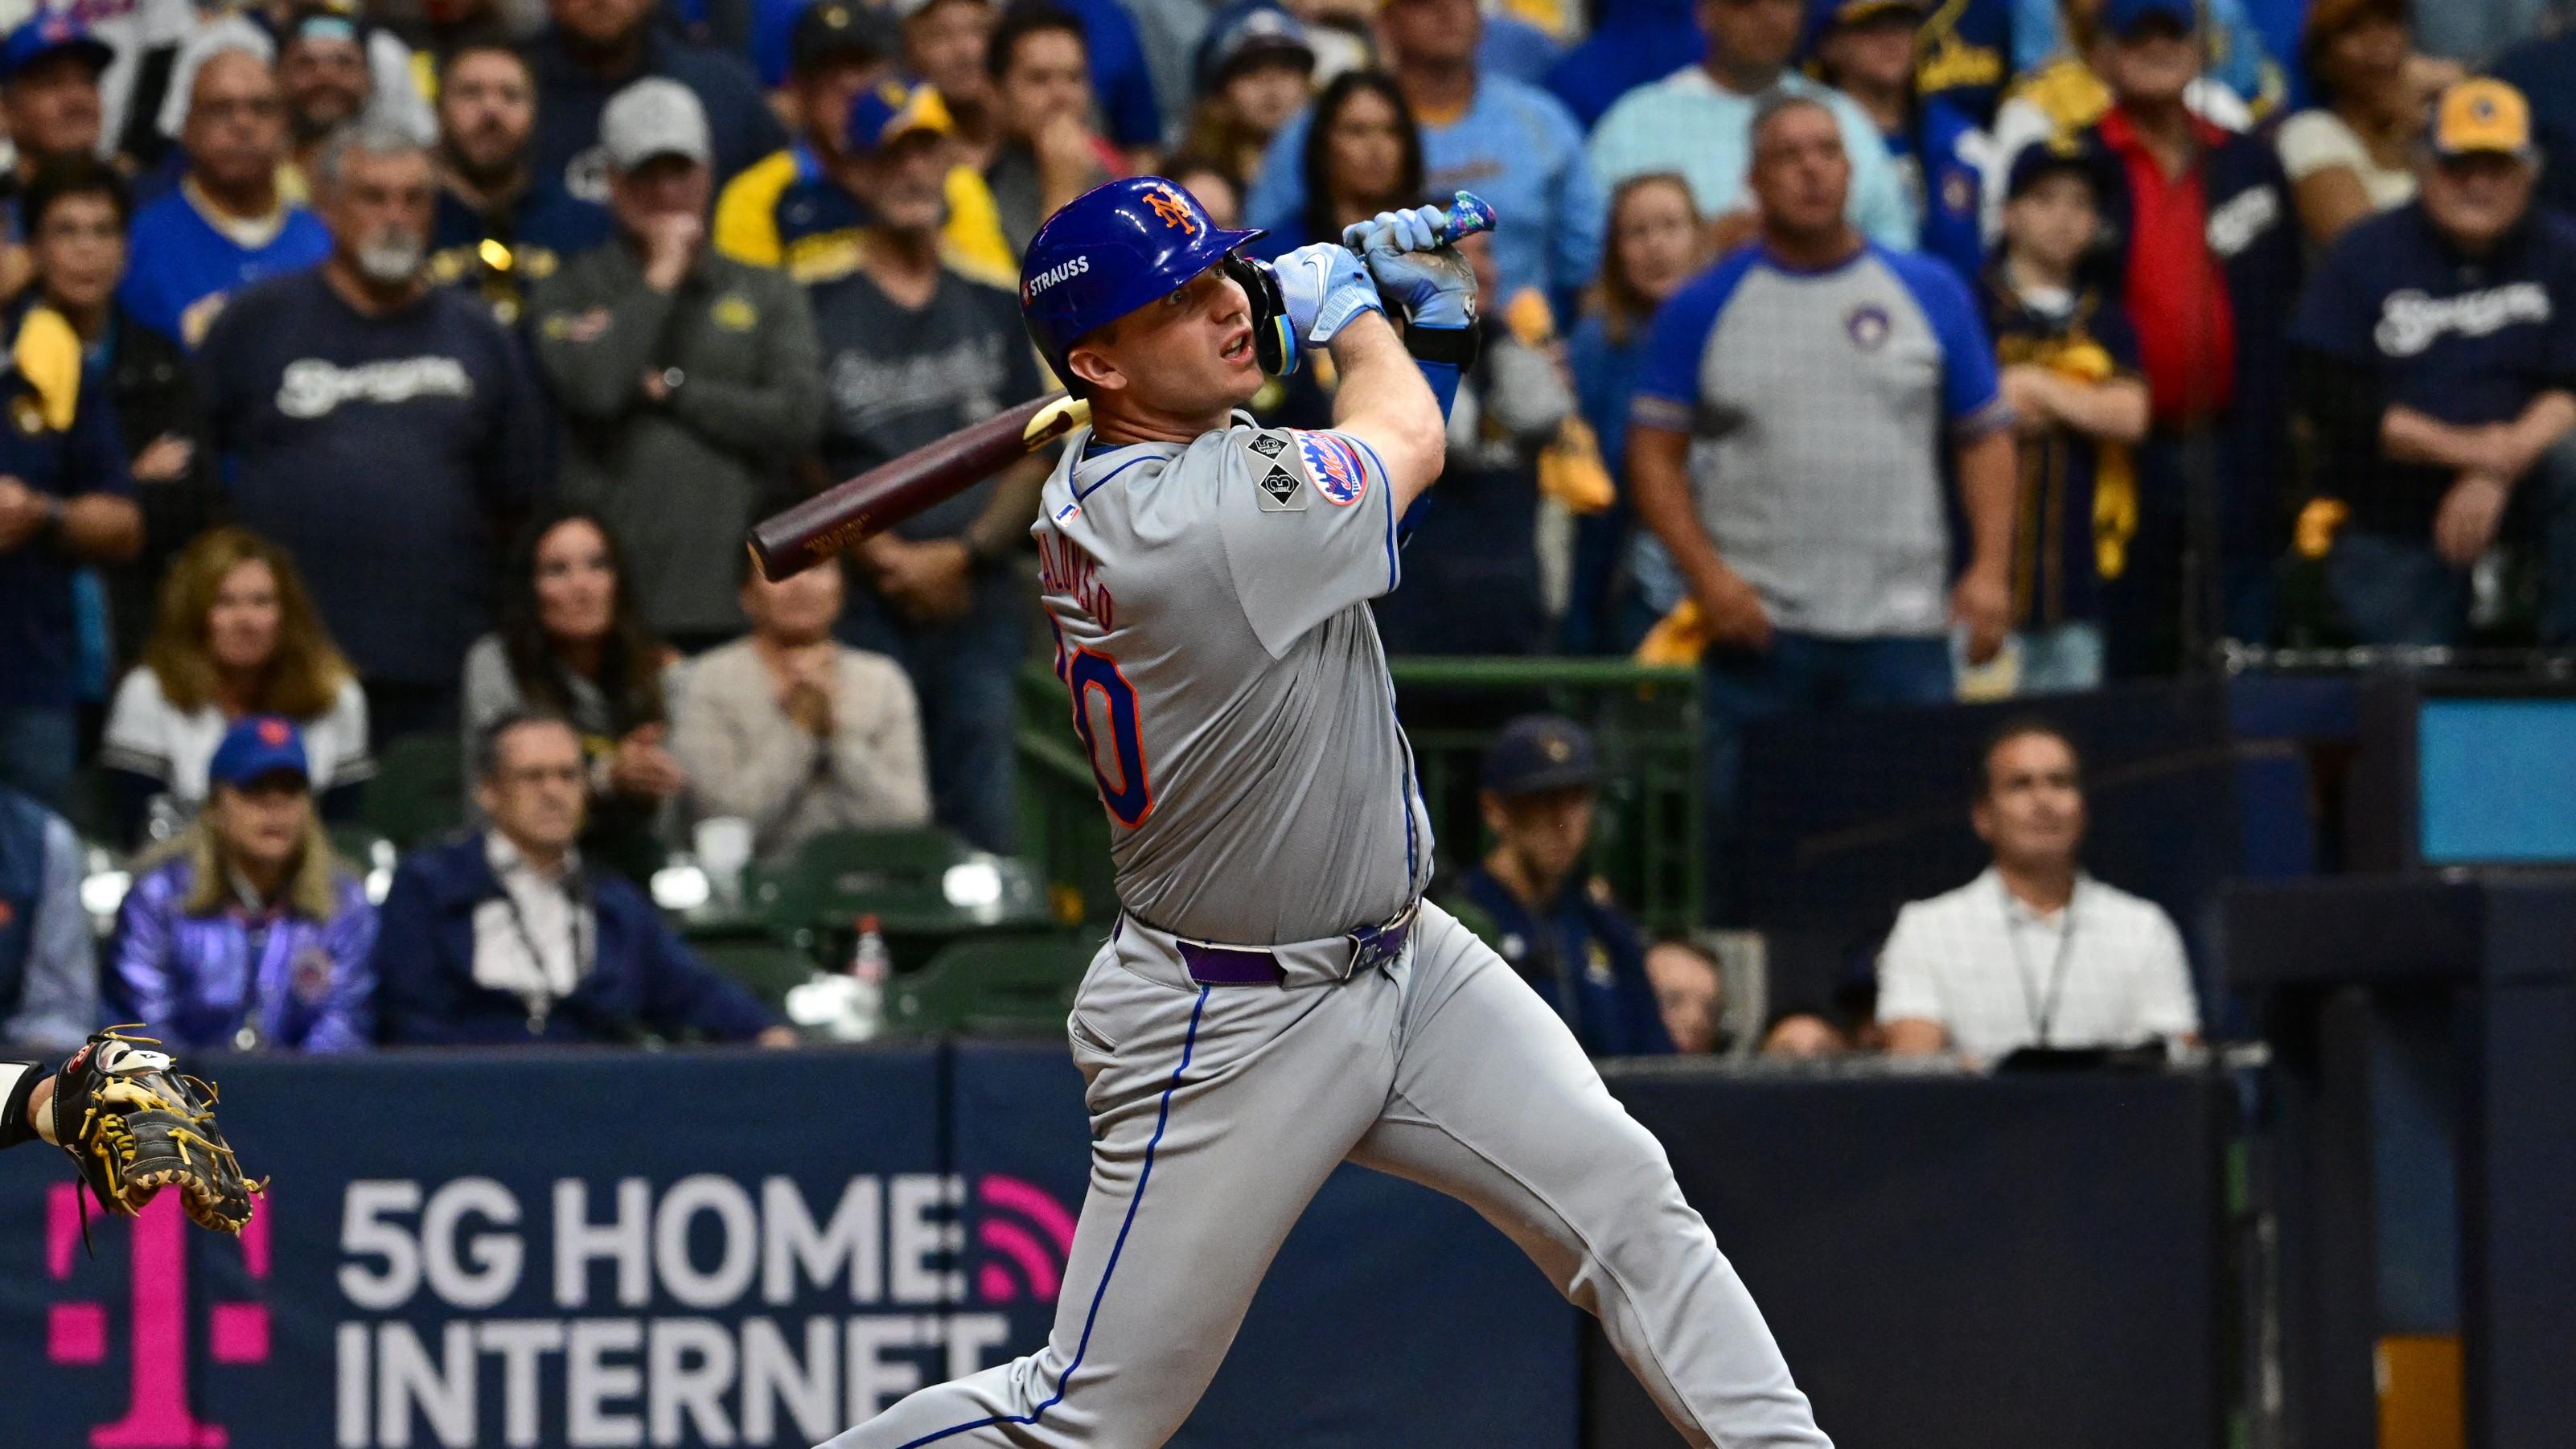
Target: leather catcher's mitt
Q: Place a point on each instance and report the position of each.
(135, 1125)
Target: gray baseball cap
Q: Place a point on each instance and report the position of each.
(654, 117)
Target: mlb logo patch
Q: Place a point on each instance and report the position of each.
(1334, 465)
(1069, 512)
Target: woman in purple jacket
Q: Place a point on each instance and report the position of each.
(247, 933)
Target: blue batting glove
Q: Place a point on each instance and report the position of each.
(1413, 229)
(1413, 270)
(1324, 287)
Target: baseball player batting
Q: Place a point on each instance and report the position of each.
(1277, 998)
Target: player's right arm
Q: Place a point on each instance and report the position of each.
(1384, 402)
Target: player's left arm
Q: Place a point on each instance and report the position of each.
(1385, 401)
(26, 1094)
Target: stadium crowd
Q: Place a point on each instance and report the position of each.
(416, 369)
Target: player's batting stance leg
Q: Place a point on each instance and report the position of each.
(1209, 581)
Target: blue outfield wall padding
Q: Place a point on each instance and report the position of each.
(688, 1248)
(1391, 1316)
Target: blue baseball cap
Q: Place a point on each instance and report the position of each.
(2036, 162)
(890, 110)
(1537, 753)
(2123, 17)
(1826, 16)
(260, 746)
(1244, 36)
(52, 33)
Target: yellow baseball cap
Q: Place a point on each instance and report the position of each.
(2482, 116)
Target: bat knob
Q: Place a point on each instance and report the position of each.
(1468, 214)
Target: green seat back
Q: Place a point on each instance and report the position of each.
(995, 985)
(911, 880)
(419, 790)
(764, 965)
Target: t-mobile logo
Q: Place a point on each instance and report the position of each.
(158, 1322)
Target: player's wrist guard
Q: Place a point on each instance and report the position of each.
(16, 1125)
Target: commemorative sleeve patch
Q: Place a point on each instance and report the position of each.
(1282, 491)
(1334, 465)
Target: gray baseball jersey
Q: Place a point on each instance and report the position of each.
(1210, 603)
(1211, 612)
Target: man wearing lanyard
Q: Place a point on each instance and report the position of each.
(2033, 952)
(503, 936)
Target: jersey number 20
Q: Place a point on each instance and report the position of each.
(1098, 688)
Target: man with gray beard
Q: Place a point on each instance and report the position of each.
(382, 430)
(687, 379)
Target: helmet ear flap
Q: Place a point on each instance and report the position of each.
(1274, 342)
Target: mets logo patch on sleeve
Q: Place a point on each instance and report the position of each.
(1334, 465)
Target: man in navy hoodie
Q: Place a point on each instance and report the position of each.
(596, 48)
(504, 936)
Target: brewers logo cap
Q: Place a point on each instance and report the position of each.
(2482, 116)
(1537, 753)
(890, 110)
(830, 30)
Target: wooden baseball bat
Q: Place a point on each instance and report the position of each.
(887, 494)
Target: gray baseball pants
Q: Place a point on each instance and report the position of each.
(1218, 1111)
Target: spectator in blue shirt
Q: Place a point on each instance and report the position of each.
(49, 70)
(225, 225)
(245, 932)
(1633, 43)
(509, 936)
(2437, 360)
(1554, 924)
(1256, 71)
(1119, 75)
(1362, 155)
(596, 48)
(383, 431)
(1698, 121)
(1800, 407)
(2544, 70)
(499, 229)
(48, 973)
(1507, 141)
(66, 502)
(1657, 242)
(1866, 49)
(1964, 55)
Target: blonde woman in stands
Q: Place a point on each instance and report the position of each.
(237, 636)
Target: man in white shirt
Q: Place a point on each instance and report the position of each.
(2033, 952)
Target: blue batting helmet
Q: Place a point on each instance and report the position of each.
(1110, 251)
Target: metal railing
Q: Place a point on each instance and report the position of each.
(1651, 830)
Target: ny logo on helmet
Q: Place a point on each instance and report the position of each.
(1174, 209)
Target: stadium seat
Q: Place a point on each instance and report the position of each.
(915, 882)
(764, 965)
(419, 789)
(996, 985)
